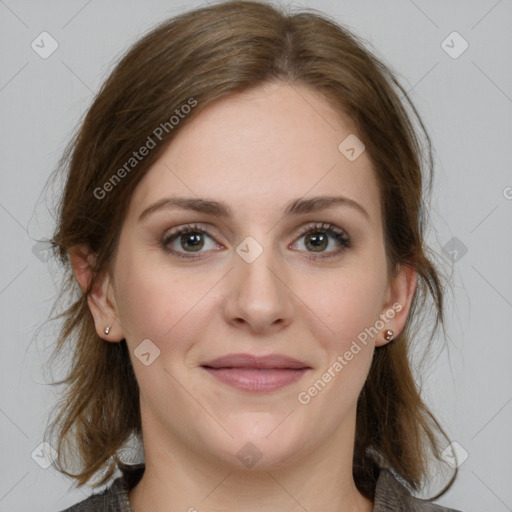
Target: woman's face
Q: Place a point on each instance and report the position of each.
(284, 258)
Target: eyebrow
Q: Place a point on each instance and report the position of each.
(295, 206)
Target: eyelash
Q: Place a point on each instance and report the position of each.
(338, 234)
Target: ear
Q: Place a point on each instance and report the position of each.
(101, 297)
(397, 303)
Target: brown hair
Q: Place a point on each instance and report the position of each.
(201, 56)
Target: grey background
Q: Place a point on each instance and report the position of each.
(466, 104)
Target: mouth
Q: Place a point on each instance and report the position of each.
(255, 373)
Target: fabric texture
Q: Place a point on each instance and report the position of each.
(390, 495)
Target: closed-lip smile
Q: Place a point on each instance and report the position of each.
(254, 373)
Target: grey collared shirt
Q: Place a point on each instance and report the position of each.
(390, 495)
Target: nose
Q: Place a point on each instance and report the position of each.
(257, 296)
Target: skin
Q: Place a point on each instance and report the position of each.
(255, 152)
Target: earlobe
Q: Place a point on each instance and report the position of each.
(104, 312)
(101, 305)
(398, 300)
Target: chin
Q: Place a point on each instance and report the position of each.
(261, 441)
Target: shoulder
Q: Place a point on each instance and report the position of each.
(115, 497)
(393, 496)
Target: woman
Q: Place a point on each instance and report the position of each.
(242, 223)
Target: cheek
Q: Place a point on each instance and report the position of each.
(347, 303)
(161, 305)
(350, 308)
(152, 299)
(347, 307)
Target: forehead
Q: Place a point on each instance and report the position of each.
(261, 148)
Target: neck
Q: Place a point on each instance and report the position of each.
(179, 478)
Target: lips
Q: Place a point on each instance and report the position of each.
(256, 373)
(272, 361)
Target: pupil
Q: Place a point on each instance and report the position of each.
(192, 240)
(318, 241)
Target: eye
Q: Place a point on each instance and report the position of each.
(318, 238)
(188, 239)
